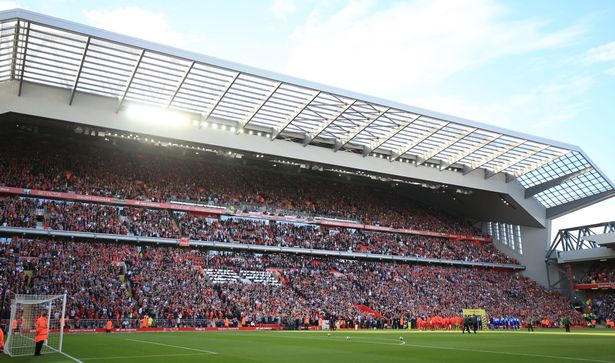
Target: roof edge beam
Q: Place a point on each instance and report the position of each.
(323, 126)
(563, 209)
(493, 156)
(76, 82)
(531, 191)
(278, 130)
(132, 77)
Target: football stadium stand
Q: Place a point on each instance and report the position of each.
(143, 180)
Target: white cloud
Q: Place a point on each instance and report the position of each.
(536, 110)
(138, 22)
(603, 53)
(412, 43)
(6, 5)
(281, 9)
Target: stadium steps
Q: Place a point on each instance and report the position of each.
(125, 280)
(176, 223)
(41, 216)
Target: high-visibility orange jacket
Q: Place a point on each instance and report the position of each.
(1, 339)
(42, 332)
(109, 325)
(144, 322)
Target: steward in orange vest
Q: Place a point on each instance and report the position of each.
(109, 326)
(144, 322)
(41, 333)
(1, 339)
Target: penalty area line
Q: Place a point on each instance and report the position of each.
(173, 346)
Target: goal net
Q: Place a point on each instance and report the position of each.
(25, 311)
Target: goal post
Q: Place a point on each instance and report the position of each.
(25, 310)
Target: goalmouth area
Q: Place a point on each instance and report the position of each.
(543, 345)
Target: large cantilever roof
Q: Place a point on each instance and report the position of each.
(50, 51)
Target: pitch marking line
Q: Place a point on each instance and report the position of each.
(71, 357)
(370, 341)
(174, 346)
(144, 356)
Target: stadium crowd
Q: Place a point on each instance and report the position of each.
(603, 305)
(96, 168)
(598, 274)
(82, 217)
(125, 281)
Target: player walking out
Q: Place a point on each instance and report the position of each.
(530, 327)
(467, 321)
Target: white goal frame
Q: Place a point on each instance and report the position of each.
(23, 333)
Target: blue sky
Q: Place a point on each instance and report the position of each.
(542, 67)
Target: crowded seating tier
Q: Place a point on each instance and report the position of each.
(124, 281)
(98, 218)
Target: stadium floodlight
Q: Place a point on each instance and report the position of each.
(157, 115)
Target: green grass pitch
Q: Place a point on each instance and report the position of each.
(588, 345)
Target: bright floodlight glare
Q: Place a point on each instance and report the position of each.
(157, 115)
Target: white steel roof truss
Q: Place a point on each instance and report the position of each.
(402, 150)
(493, 155)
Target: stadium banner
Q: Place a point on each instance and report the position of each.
(185, 329)
(222, 211)
(595, 286)
(324, 222)
(478, 312)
